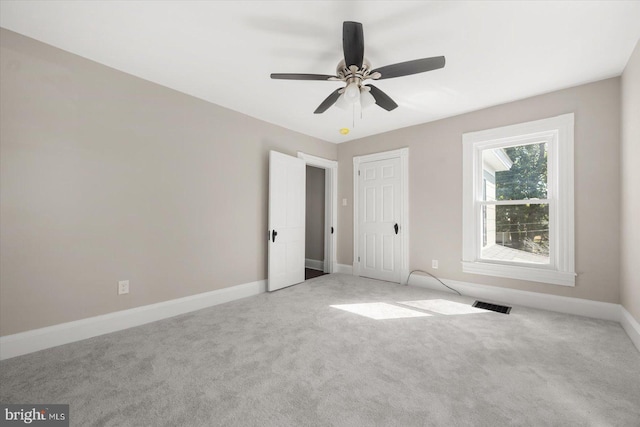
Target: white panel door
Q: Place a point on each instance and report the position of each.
(379, 219)
(287, 177)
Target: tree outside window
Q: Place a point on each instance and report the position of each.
(515, 215)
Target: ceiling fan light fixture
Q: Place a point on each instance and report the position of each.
(366, 99)
(352, 92)
(343, 103)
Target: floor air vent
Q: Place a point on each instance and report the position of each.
(493, 307)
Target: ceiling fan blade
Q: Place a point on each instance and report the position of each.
(382, 99)
(352, 43)
(410, 67)
(285, 76)
(331, 99)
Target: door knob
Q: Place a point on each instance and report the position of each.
(395, 227)
(274, 233)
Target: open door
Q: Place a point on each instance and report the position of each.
(287, 177)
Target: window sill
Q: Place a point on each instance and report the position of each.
(555, 277)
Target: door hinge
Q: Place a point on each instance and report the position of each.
(358, 259)
(358, 172)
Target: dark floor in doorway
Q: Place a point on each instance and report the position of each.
(310, 273)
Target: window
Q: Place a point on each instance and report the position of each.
(518, 201)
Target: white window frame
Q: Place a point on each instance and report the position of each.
(558, 133)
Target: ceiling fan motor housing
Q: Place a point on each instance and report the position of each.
(353, 74)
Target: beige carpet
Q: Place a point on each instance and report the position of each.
(342, 351)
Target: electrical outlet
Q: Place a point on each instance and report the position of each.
(434, 263)
(123, 287)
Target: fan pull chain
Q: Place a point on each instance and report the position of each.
(353, 117)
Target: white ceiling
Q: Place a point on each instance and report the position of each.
(223, 52)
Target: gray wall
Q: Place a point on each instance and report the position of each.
(314, 228)
(630, 180)
(105, 176)
(435, 187)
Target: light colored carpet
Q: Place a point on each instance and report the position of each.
(291, 359)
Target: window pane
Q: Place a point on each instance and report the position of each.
(517, 233)
(515, 173)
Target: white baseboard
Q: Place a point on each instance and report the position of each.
(344, 269)
(577, 306)
(314, 264)
(52, 336)
(631, 326)
(64, 333)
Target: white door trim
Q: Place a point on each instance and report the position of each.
(330, 206)
(403, 155)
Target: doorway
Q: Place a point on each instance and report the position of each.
(287, 205)
(314, 264)
(321, 215)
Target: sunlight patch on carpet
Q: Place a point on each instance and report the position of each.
(443, 306)
(380, 310)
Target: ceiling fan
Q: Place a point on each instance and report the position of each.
(355, 69)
